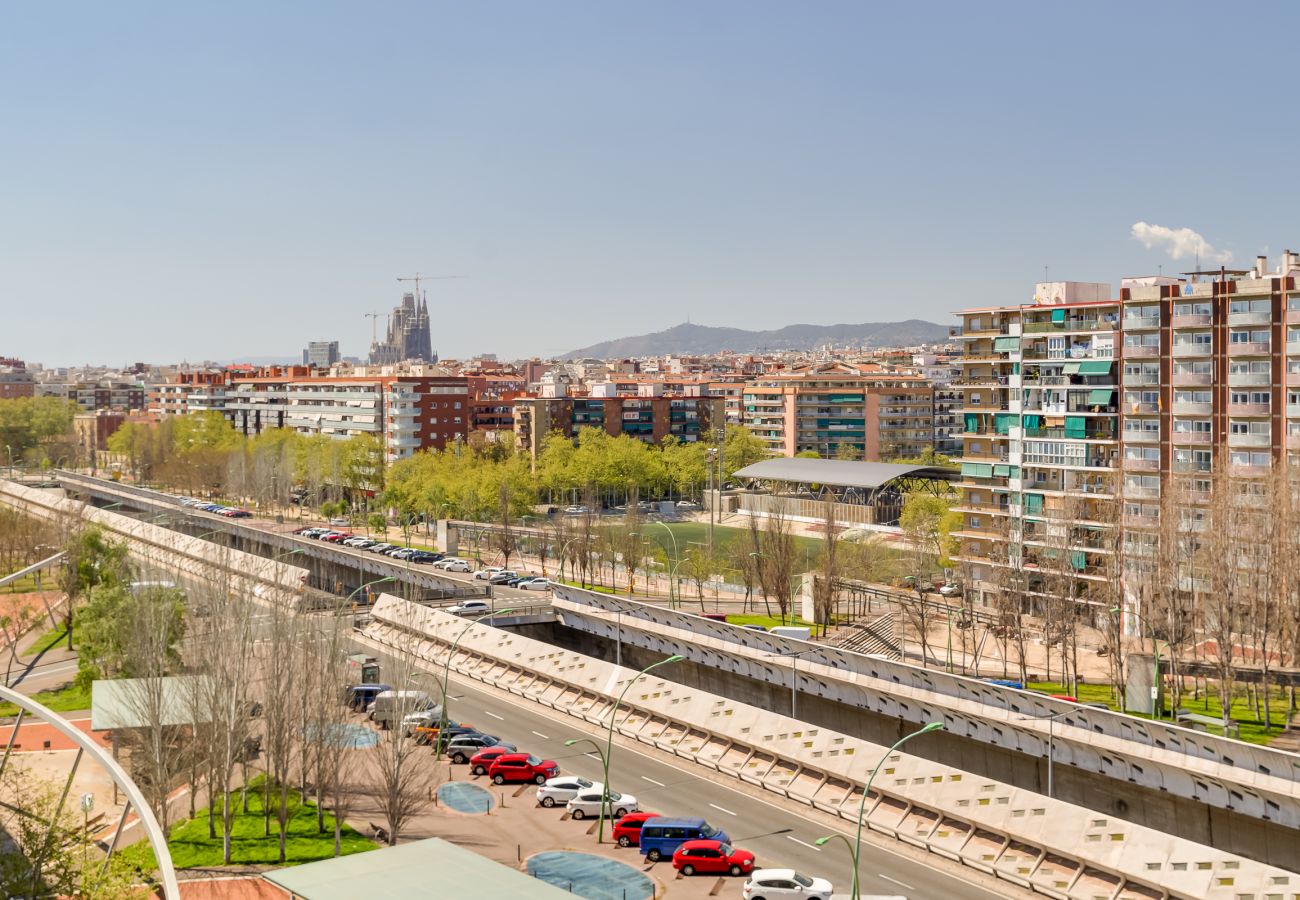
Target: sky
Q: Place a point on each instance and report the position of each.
(214, 181)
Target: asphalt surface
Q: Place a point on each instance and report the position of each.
(671, 790)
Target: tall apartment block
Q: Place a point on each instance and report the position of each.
(1040, 434)
(873, 416)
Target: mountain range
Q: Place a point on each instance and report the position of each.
(692, 339)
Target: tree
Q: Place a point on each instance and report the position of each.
(778, 559)
(824, 583)
(503, 538)
(701, 565)
(403, 781)
(92, 559)
(28, 422)
(740, 448)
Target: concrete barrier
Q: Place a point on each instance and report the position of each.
(1051, 847)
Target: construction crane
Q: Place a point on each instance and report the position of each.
(374, 324)
(417, 278)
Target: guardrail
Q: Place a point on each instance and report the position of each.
(1044, 845)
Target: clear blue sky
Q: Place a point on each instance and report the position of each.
(185, 184)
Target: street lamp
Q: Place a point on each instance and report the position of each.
(1051, 739)
(446, 677)
(609, 740)
(672, 575)
(794, 670)
(856, 847)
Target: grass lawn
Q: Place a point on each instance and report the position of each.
(1208, 704)
(765, 621)
(65, 699)
(806, 548)
(25, 585)
(191, 847)
(48, 640)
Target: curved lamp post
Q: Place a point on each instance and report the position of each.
(446, 677)
(856, 847)
(677, 556)
(609, 741)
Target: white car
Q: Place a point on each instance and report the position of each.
(455, 565)
(563, 788)
(485, 573)
(781, 884)
(470, 608)
(588, 804)
(575, 510)
(339, 520)
(534, 584)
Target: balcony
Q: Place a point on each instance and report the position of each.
(1139, 323)
(1190, 320)
(1250, 318)
(1247, 471)
(1141, 351)
(1196, 379)
(1248, 409)
(1141, 493)
(1293, 441)
(1249, 440)
(1141, 465)
(1293, 379)
(1135, 520)
(1142, 437)
(1250, 348)
(1185, 438)
(1249, 379)
(1149, 379)
(1293, 316)
(1182, 351)
(1141, 409)
(1069, 325)
(1192, 408)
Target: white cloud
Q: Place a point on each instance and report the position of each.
(1178, 243)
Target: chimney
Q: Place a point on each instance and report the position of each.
(1261, 266)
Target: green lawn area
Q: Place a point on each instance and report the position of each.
(25, 585)
(191, 847)
(766, 621)
(1208, 704)
(65, 699)
(48, 640)
(595, 588)
(807, 548)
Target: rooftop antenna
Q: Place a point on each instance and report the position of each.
(1044, 274)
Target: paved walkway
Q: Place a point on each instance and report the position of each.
(37, 736)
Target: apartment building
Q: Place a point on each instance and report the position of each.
(649, 416)
(16, 381)
(91, 396)
(1040, 433)
(875, 415)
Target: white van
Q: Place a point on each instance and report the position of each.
(392, 706)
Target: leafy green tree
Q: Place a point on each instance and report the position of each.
(92, 559)
(28, 422)
(112, 620)
(740, 448)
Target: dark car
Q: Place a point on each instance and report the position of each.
(358, 696)
(426, 735)
(462, 746)
(424, 556)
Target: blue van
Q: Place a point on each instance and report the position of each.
(660, 837)
(357, 697)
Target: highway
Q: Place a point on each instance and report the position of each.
(680, 790)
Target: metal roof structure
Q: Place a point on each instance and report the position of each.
(838, 472)
(131, 702)
(428, 868)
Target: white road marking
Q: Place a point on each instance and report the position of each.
(651, 780)
(722, 809)
(595, 756)
(542, 736)
(494, 715)
(803, 843)
(904, 885)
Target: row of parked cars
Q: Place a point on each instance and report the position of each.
(692, 844)
(510, 578)
(230, 512)
(356, 542)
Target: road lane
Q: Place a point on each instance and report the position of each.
(681, 790)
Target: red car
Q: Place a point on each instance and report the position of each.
(712, 857)
(522, 767)
(627, 830)
(482, 761)
(336, 537)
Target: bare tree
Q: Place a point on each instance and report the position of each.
(778, 559)
(403, 782)
(503, 538)
(322, 657)
(1226, 562)
(825, 581)
(280, 685)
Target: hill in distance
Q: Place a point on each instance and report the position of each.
(691, 339)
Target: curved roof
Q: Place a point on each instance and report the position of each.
(837, 472)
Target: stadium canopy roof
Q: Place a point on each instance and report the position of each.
(839, 472)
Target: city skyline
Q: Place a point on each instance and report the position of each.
(598, 175)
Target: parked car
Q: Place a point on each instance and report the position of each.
(453, 565)
(503, 577)
(950, 590)
(480, 762)
(360, 542)
(516, 767)
(588, 804)
(463, 746)
(424, 556)
(336, 537)
(487, 572)
(389, 705)
(358, 697)
(576, 510)
(534, 584)
(470, 608)
(712, 858)
(627, 830)
(303, 530)
(687, 504)
(401, 553)
(662, 836)
(563, 789)
(785, 884)
(429, 735)
(340, 520)
(424, 718)
(380, 547)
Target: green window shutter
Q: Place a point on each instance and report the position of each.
(1076, 426)
(1003, 344)
(1095, 367)
(1015, 368)
(977, 470)
(972, 421)
(1033, 422)
(1001, 471)
(1033, 503)
(1078, 559)
(1013, 471)
(1003, 422)
(1058, 315)
(1100, 396)
(1072, 368)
